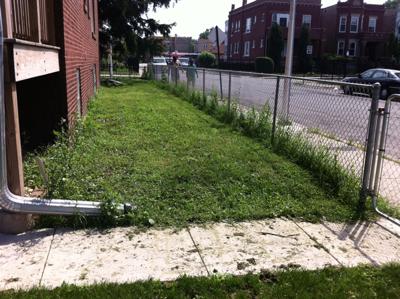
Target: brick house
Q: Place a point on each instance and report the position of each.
(51, 70)
(357, 29)
(249, 25)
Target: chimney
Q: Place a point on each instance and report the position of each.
(233, 7)
(244, 2)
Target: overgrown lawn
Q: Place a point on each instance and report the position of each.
(361, 282)
(178, 165)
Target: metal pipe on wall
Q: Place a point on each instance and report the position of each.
(19, 204)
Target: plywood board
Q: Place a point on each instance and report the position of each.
(33, 61)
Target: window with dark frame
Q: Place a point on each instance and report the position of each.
(340, 48)
(93, 17)
(85, 6)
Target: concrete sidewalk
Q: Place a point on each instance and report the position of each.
(51, 257)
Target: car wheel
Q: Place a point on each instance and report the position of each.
(384, 94)
(347, 90)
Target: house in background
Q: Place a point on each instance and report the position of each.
(51, 71)
(179, 44)
(249, 26)
(210, 43)
(357, 29)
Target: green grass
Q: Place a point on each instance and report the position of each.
(178, 165)
(361, 282)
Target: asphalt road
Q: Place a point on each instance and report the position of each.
(320, 107)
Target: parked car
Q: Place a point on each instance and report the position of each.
(184, 61)
(159, 61)
(389, 80)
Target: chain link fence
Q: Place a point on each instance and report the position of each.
(331, 118)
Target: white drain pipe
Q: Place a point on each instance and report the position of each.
(18, 204)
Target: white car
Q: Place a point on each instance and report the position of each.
(184, 61)
(159, 61)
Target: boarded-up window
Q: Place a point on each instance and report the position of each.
(94, 73)
(78, 93)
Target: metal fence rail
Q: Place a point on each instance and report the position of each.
(331, 116)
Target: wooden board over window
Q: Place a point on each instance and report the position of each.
(32, 61)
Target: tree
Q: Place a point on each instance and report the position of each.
(264, 65)
(391, 3)
(126, 22)
(205, 34)
(393, 48)
(304, 59)
(206, 59)
(276, 46)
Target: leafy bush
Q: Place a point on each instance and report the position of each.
(264, 65)
(206, 59)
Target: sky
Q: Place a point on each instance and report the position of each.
(194, 16)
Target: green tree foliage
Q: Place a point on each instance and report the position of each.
(264, 65)
(393, 47)
(391, 3)
(127, 23)
(205, 34)
(206, 59)
(276, 46)
(303, 59)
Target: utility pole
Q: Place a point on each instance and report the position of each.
(219, 60)
(289, 60)
(110, 59)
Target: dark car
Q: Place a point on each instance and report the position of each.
(389, 80)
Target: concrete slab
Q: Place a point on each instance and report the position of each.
(22, 258)
(254, 246)
(358, 243)
(120, 255)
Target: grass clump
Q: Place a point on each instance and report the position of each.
(177, 165)
(330, 174)
(361, 282)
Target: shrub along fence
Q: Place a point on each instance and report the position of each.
(310, 121)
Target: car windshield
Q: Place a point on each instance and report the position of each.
(184, 60)
(397, 75)
(367, 74)
(159, 60)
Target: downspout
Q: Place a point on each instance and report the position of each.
(25, 205)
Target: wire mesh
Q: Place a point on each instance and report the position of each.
(329, 115)
(390, 175)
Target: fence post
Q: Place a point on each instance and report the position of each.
(369, 153)
(176, 76)
(220, 84)
(278, 82)
(230, 91)
(204, 83)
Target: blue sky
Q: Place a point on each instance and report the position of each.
(194, 16)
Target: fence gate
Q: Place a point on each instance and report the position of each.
(382, 163)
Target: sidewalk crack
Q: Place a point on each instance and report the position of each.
(318, 243)
(198, 251)
(47, 257)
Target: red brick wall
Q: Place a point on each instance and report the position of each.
(81, 51)
(259, 30)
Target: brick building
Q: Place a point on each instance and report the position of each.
(179, 44)
(357, 29)
(51, 64)
(249, 25)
